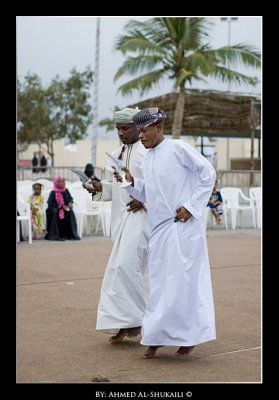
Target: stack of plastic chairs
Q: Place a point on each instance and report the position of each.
(256, 194)
(24, 190)
(231, 202)
(209, 218)
(25, 215)
(83, 206)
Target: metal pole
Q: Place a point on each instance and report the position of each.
(252, 126)
(229, 43)
(96, 94)
(229, 19)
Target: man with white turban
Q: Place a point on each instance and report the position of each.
(124, 291)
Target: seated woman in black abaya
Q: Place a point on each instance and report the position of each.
(61, 222)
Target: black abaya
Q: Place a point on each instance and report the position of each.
(60, 229)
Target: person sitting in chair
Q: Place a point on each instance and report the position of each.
(61, 222)
(215, 203)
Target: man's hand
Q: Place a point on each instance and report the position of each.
(182, 214)
(96, 184)
(135, 205)
(128, 175)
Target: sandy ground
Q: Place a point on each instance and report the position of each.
(58, 286)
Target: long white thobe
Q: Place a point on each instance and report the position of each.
(124, 291)
(180, 309)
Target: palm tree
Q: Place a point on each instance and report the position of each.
(178, 48)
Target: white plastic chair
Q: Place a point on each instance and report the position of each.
(24, 183)
(82, 207)
(24, 210)
(45, 193)
(25, 191)
(47, 184)
(210, 219)
(75, 185)
(256, 194)
(231, 196)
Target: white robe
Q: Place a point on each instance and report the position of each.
(124, 291)
(180, 309)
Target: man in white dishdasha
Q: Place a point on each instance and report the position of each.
(124, 291)
(176, 186)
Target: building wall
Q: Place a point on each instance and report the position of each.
(238, 148)
(76, 155)
(79, 155)
(102, 147)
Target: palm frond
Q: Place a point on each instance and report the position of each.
(150, 29)
(109, 123)
(133, 65)
(142, 83)
(169, 24)
(195, 31)
(238, 54)
(144, 37)
(227, 75)
(139, 43)
(200, 60)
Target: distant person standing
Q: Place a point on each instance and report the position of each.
(35, 163)
(43, 163)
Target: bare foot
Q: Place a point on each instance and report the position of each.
(120, 336)
(133, 332)
(184, 351)
(150, 352)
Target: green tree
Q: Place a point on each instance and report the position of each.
(69, 108)
(178, 48)
(60, 110)
(31, 109)
(76, 109)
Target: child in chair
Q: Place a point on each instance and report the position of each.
(36, 201)
(215, 203)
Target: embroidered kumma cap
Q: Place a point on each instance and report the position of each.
(148, 117)
(125, 116)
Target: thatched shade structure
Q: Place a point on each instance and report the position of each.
(210, 113)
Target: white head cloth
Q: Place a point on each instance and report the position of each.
(125, 116)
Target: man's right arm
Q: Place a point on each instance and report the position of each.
(104, 190)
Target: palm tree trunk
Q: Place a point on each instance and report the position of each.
(178, 114)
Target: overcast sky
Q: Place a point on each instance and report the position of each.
(52, 45)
